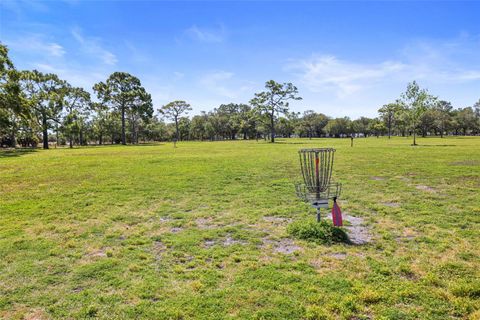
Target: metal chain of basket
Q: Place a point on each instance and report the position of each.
(317, 188)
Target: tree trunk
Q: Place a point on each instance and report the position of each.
(45, 131)
(13, 139)
(176, 129)
(100, 139)
(132, 136)
(71, 142)
(124, 139)
(414, 138)
(272, 128)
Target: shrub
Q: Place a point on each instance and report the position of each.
(320, 232)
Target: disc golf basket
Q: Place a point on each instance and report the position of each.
(317, 187)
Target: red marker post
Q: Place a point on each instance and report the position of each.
(336, 214)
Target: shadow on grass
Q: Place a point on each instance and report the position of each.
(434, 145)
(292, 142)
(13, 153)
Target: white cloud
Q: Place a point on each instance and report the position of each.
(77, 76)
(92, 46)
(215, 82)
(449, 62)
(206, 35)
(449, 68)
(36, 44)
(326, 72)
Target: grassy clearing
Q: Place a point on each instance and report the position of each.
(201, 232)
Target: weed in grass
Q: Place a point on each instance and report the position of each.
(320, 232)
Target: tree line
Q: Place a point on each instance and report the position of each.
(40, 108)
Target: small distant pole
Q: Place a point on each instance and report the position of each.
(351, 140)
(174, 143)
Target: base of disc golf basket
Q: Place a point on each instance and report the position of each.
(316, 166)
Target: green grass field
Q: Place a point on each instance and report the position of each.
(200, 232)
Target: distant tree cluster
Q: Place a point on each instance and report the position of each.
(38, 108)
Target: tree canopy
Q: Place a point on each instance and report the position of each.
(274, 101)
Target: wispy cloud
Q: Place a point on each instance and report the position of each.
(326, 72)
(209, 35)
(93, 47)
(452, 61)
(215, 82)
(76, 75)
(36, 44)
(224, 84)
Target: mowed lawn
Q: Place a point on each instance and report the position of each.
(200, 232)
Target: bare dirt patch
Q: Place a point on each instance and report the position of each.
(176, 229)
(36, 315)
(226, 242)
(205, 223)
(277, 220)
(426, 188)
(338, 255)
(208, 243)
(408, 234)
(357, 231)
(229, 241)
(285, 245)
(159, 248)
(97, 253)
(377, 178)
(391, 204)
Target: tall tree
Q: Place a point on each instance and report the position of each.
(12, 106)
(476, 108)
(123, 92)
(308, 122)
(417, 101)
(100, 120)
(230, 114)
(361, 125)
(466, 119)
(76, 102)
(45, 95)
(140, 111)
(173, 111)
(388, 112)
(246, 120)
(443, 115)
(377, 127)
(339, 126)
(274, 102)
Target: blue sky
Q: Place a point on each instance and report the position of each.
(346, 58)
